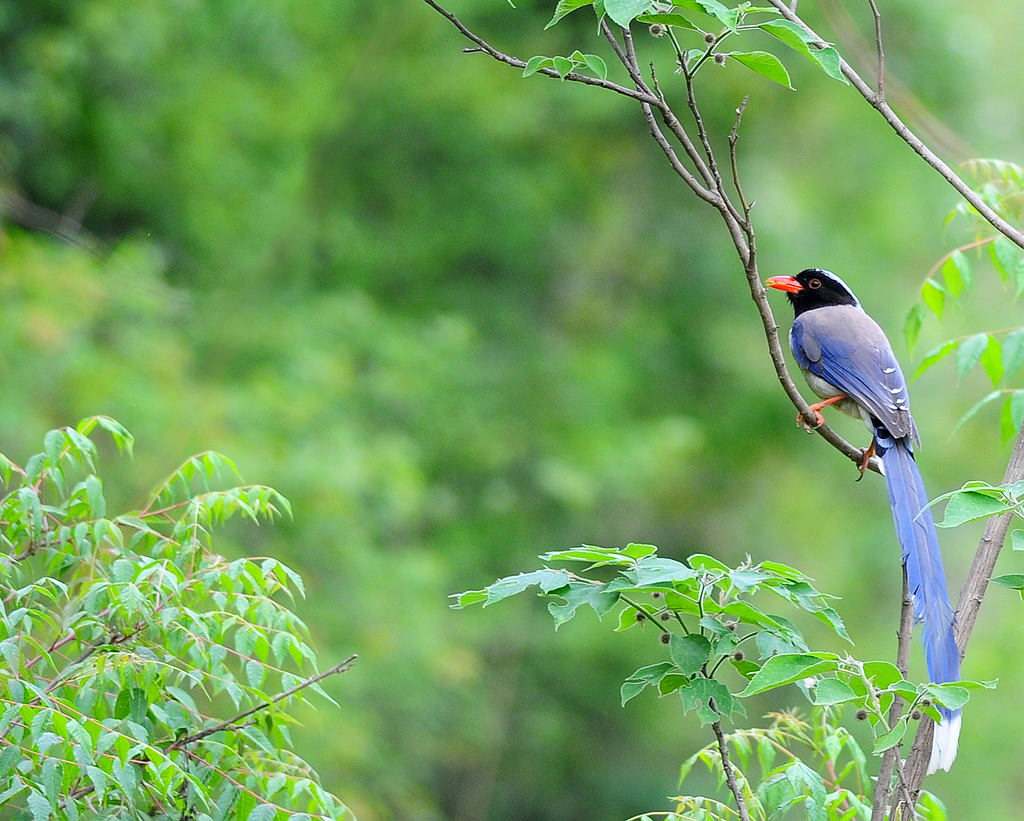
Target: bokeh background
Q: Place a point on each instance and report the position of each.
(460, 318)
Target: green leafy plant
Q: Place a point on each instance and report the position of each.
(126, 638)
(721, 647)
(999, 352)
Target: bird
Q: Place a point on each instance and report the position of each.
(848, 362)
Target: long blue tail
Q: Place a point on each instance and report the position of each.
(926, 579)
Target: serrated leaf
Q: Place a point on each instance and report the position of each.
(764, 63)
(564, 7)
(934, 297)
(689, 653)
(1013, 352)
(624, 11)
(262, 812)
(912, 325)
(1003, 254)
(957, 274)
(992, 360)
(934, 356)
(969, 352)
(39, 807)
(977, 406)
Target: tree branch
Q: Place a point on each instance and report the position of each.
(730, 775)
(971, 595)
(877, 101)
(883, 786)
(340, 667)
(740, 231)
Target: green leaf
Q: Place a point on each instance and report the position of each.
(801, 40)
(599, 599)
(977, 406)
(547, 579)
(934, 356)
(698, 695)
(969, 353)
(670, 19)
(597, 65)
(1013, 352)
(764, 63)
(262, 812)
(1011, 580)
(656, 570)
(564, 7)
(648, 676)
(563, 65)
(951, 696)
(934, 297)
(1003, 254)
(624, 11)
(689, 653)
(912, 325)
(969, 505)
(992, 360)
(40, 808)
(535, 64)
(1017, 539)
(832, 691)
(957, 274)
(882, 673)
(786, 668)
(890, 738)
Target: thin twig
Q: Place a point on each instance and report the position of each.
(734, 137)
(880, 81)
(487, 48)
(340, 667)
(911, 139)
(730, 775)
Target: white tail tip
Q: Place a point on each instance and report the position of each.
(944, 744)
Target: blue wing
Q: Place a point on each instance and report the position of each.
(845, 347)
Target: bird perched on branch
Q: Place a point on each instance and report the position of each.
(848, 362)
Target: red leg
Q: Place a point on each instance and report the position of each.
(866, 458)
(816, 407)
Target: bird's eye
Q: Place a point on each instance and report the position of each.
(814, 284)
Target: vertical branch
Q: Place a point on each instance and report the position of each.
(971, 595)
(883, 786)
(880, 81)
(730, 774)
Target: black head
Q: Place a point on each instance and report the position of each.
(814, 288)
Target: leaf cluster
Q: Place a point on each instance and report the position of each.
(1000, 353)
(709, 24)
(126, 635)
(711, 618)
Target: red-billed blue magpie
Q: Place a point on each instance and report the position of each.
(849, 362)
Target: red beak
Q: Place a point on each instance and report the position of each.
(788, 284)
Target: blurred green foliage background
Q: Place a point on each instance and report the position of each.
(459, 319)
